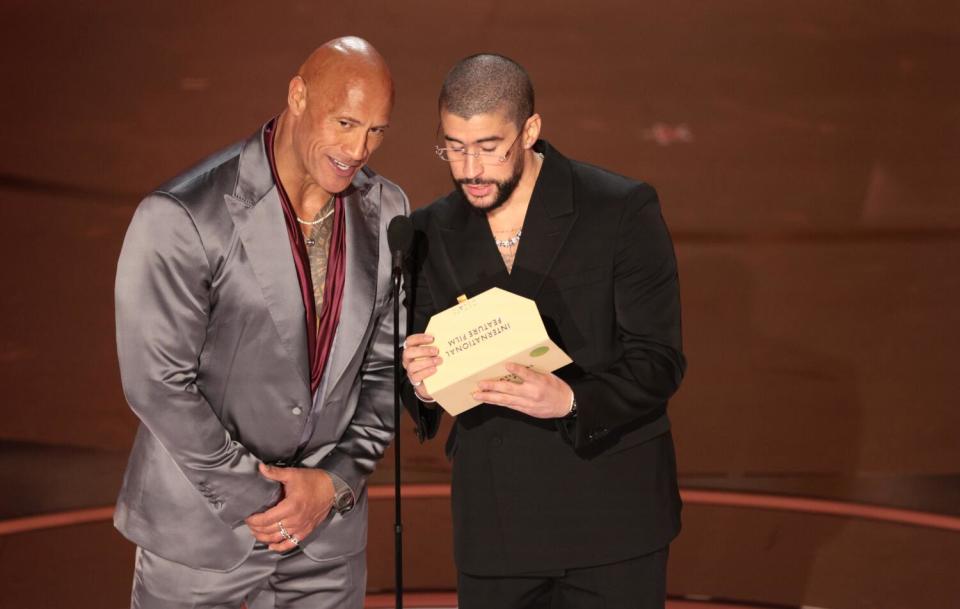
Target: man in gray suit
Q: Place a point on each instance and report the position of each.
(254, 333)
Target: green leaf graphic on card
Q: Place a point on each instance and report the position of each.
(539, 351)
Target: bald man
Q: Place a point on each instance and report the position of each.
(254, 333)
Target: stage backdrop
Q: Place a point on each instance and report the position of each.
(806, 156)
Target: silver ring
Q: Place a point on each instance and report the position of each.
(283, 531)
(293, 539)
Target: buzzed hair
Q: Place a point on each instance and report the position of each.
(487, 83)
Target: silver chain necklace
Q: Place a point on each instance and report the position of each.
(509, 242)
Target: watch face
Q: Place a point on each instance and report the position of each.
(343, 503)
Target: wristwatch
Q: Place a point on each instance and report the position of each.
(343, 502)
(343, 497)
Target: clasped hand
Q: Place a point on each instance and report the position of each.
(537, 394)
(540, 395)
(307, 498)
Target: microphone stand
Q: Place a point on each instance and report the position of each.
(397, 524)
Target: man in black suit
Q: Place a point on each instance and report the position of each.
(564, 485)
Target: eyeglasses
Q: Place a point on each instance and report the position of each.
(457, 155)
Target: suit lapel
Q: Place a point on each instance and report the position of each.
(469, 246)
(547, 225)
(362, 206)
(257, 213)
(475, 260)
(258, 217)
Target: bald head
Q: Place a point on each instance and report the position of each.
(345, 59)
(338, 110)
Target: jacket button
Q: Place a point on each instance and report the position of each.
(296, 410)
(497, 441)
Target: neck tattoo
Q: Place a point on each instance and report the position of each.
(311, 240)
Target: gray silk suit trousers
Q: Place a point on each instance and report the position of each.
(266, 580)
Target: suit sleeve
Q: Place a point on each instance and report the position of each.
(162, 307)
(650, 362)
(372, 426)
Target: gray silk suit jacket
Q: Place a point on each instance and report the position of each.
(211, 337)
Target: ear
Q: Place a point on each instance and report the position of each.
(531, 131)
(297, 95)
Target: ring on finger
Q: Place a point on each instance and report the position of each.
(283, 531)
(415, 383)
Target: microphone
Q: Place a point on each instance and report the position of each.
(399, 238)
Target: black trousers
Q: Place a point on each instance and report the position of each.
(638, 583)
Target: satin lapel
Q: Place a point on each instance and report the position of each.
(264, 235)
(471, 251)
(550, 217)
(362, 207)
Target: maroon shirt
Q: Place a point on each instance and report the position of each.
(320, 328)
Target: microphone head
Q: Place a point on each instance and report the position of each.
(399, 234)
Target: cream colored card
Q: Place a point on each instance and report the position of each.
(478, 337)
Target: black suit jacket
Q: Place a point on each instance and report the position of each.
(531, 495)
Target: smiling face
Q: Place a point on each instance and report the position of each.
(485, 183)
(338, 125)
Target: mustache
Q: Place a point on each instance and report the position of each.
(475, 181)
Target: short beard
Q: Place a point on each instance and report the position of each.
(505, 188)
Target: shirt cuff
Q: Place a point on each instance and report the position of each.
(339, 486)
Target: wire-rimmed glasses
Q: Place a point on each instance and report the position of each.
(452, 154)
